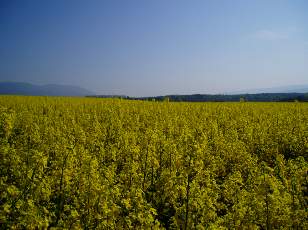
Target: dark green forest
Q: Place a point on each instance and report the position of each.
(261, 97)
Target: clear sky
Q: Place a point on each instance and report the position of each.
(155, 47)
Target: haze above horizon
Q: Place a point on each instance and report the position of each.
(148, 48)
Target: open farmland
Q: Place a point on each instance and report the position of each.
(84, 163)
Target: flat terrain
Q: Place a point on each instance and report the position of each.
(117, 164)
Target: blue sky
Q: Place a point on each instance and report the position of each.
(158, 47)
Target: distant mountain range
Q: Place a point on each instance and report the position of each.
(21, 88)
(287, 93)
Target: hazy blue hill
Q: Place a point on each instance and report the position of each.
(21, 88)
